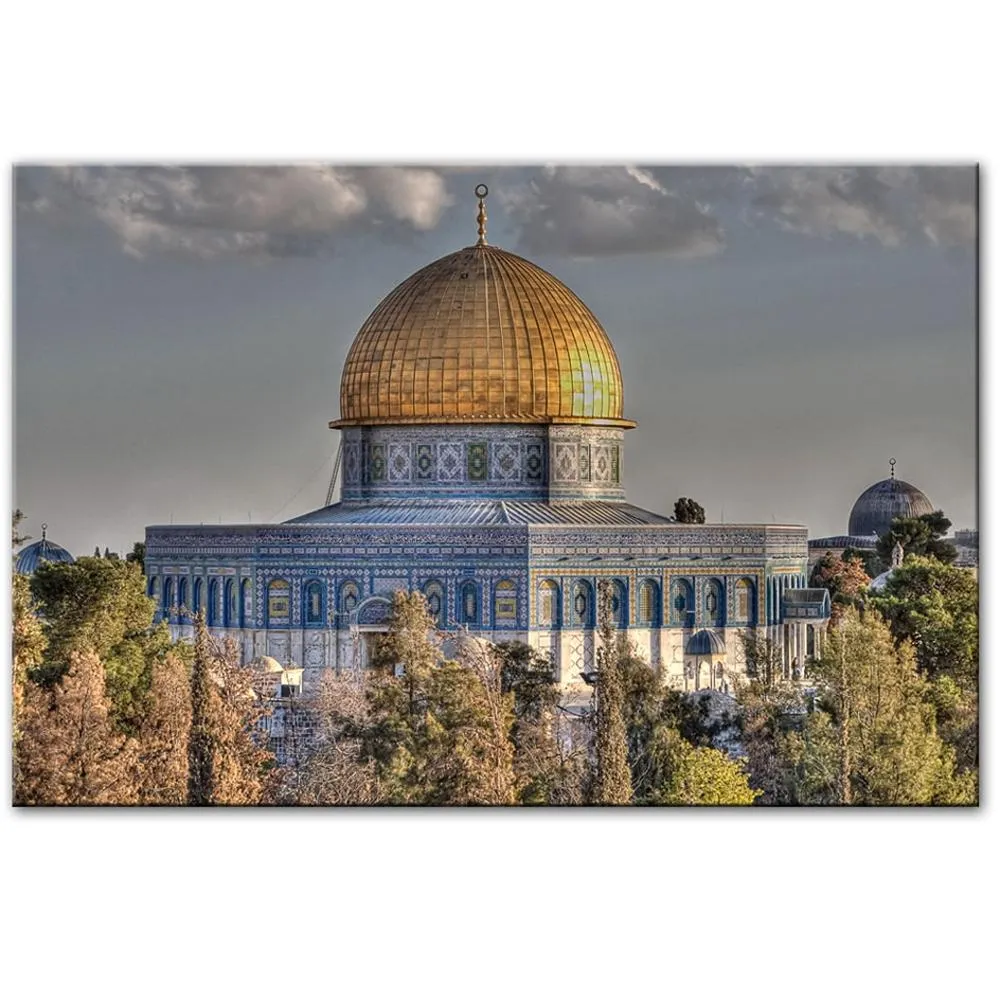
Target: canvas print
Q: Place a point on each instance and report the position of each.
(473, 485)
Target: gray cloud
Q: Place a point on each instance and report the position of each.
(890, 204)
(583, 211)
(591, 211)
(209, 211)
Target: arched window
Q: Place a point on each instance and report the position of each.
(183, 609)
(746, 601)
(349, 596)
(213, 601)
(246, 603)
(583, 604)
(619, 604)
(312, 603)
(468, 603)
(505, 601)
(278, 602)
(199, 599)
(810, 641)
(715, 603)
(649, 603)
(548, 603)
(434, 594)
(168, 597)
(153, 590)
(229, 604)
(681, 602)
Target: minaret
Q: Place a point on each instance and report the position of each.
(896, 560)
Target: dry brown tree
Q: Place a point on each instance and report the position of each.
(164, 735)
(332, 769)
(67, 752)
(228, 761)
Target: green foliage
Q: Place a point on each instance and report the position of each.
(441, 733)
(227, 765)
(138, 555)
(888, 748)
(29, 638)
(686, 775)
(769, 709)
(100, 605)
(919, 536)
(688, 511)
(936, 607)
(613, 779)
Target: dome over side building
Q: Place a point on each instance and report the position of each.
(42, 551)
(874, 510)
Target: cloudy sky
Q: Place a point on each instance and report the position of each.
(783, 331)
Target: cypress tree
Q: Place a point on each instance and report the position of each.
(200, 763)
(613, 783)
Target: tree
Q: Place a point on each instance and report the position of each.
(101, 605)
(696, 776)
(936, 607)
(873, 738)
(28, 644)
(16, 538)
(227, 764)
(551, 760)
(844, 579)
(67, 751)
(612, 780)
(919, 536)
(440, 733)
(97, 552)
(334, 769)
(768, 706)
(869, 559)
(164, 735)
(688, 511)
(138, 555)
(490, 744)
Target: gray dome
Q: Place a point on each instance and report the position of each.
(874, 510)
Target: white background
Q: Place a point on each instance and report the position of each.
(476, 904)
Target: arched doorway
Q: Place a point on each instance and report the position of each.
(370, 622)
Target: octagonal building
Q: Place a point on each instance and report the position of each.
(482, 460)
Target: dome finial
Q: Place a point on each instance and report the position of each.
(481, 192)
(44, 529)
(892, 468)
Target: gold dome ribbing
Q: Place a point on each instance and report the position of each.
(481, 335)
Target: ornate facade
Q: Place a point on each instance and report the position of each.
(482, 463)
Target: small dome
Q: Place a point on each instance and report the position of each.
(42, 551)
(874, 510)
(706, 643)
(268, 664)
(481, 335)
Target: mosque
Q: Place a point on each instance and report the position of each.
(482, 461)
(872, 515)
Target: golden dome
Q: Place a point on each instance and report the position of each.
(481, 335)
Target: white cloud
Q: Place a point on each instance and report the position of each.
(599, 211)
(214, 210)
